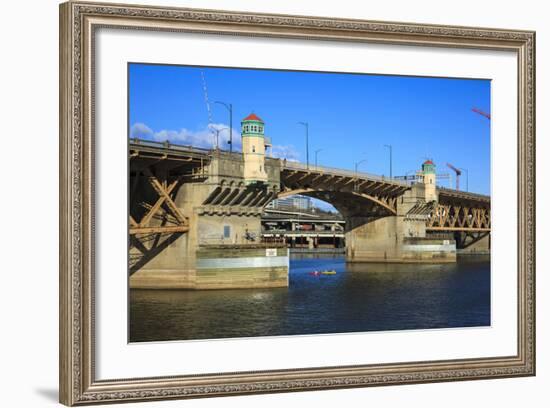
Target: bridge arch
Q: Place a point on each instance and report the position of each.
(338, 198)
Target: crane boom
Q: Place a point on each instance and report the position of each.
(487, 115)
(458, 172)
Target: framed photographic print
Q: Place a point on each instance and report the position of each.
(256, 203)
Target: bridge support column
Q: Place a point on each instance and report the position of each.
(372, 240)
(394, 239)
(401, 237)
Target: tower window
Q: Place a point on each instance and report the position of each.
(253, 149)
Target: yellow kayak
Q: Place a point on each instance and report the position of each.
(329, 272)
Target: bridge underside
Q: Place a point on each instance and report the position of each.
(377, 226)
(387, 221)
(425, 232)
(467, 217)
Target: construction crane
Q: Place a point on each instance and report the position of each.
(487, 115)
(458, 172)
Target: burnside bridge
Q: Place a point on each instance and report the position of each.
(195, 216)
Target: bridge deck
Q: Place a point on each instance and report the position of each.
(297, 166)
(170, 151)
(450, 193)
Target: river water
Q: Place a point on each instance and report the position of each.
(360, 297)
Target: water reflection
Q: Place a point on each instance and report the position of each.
(360, 297)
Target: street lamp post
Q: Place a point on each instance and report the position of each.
(229, 107)
(306, 125)
(467, 177)
(391, 164)
(317, 151)
(356, 166)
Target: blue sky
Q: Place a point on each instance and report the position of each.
(351, 116)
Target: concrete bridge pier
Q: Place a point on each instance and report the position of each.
(399, 237)
(175, 266)
(222, 246)
(372, 240)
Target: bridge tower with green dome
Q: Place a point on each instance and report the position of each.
(254, 147)
(429, 180)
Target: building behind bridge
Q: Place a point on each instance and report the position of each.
(292, 203)
(304, 231)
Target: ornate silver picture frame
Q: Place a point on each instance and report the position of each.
(79, 22)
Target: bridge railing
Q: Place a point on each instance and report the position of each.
(285, 164)
(169, 145)
(292, 165)
(466, 194)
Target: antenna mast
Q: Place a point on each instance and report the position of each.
(205, 90)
